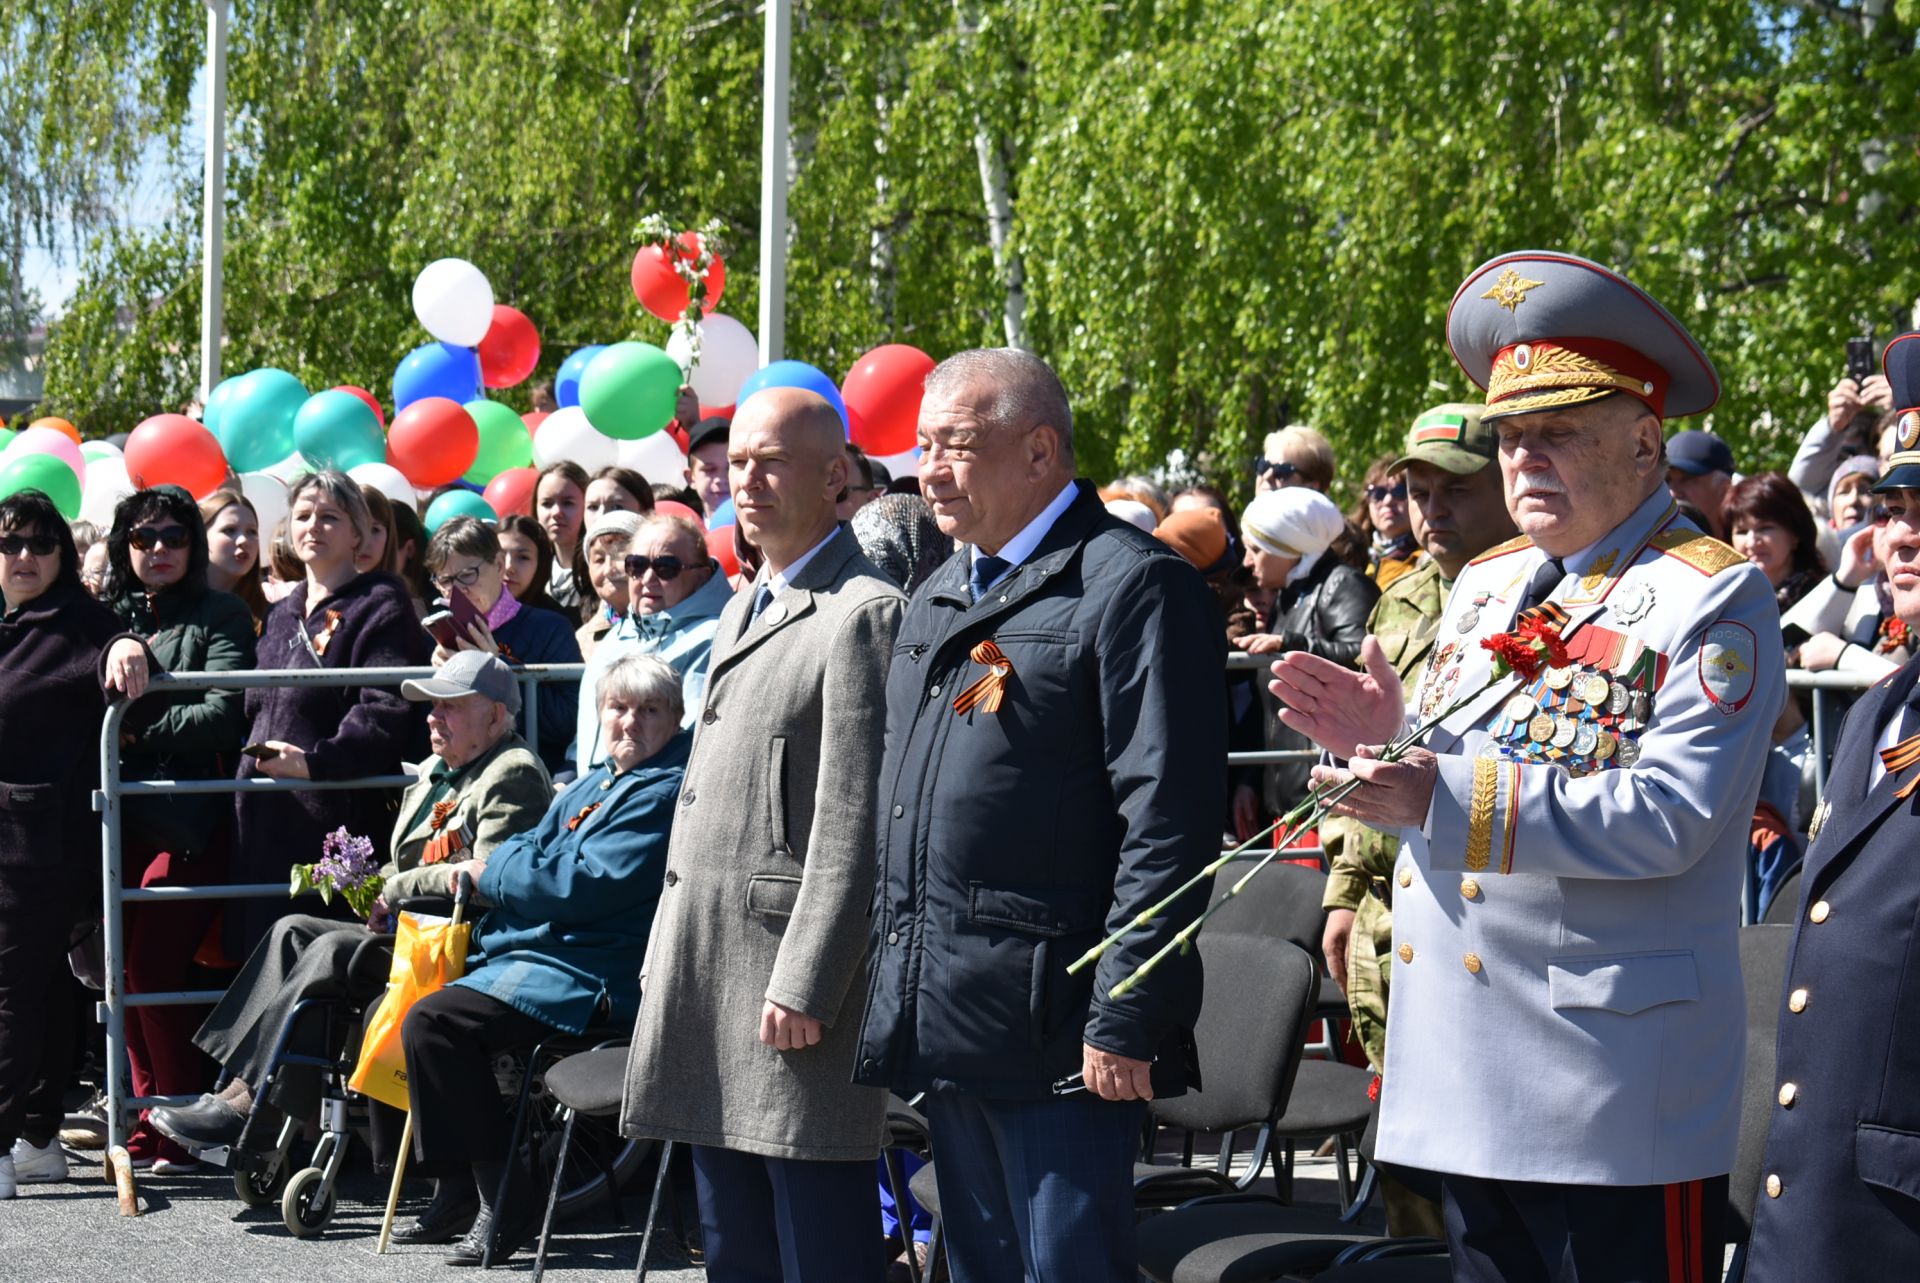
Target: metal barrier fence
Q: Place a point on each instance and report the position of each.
(112, 1009)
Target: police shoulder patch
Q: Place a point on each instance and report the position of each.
(1519, 543)
(1703, 552)
(1726, 664)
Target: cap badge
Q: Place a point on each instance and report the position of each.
(1909, 430)
(1510, 288)
(1438, 425)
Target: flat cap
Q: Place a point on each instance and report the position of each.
(1539, 330)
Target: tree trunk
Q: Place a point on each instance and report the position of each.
(996, 189)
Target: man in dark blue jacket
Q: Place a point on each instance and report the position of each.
(1054, 750)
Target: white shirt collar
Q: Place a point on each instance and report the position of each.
(1021, 546)
(780, 581)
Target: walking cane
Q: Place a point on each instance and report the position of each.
(464, 889)
(653, 1210)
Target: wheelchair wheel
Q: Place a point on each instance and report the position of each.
(261, 1188)
(307, 1205)
(598, 1151)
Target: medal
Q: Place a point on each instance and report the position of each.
(1521, 708)
(1469, 618)
(1628, 752)
(1540, 729)
(1641, 706)
(1586, 737)
(1594, 689)
(1617, 698)
(1559, 678)
(1604, 745)
(1633, 603)
(1564, 732)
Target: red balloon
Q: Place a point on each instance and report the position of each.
(673, 508)
(173, 450)
(373, 402)
(716, 412)
(511, 348)
(658, 286)
(511, 491)
(720, 544)
(433, 441)
(883, 389)
(533, 419)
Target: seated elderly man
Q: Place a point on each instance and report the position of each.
(482, 785)
(675, 594)
(560, 950)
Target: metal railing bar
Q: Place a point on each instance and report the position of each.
(231, 891)
(135, 788)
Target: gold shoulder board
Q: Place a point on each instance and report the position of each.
(1519, 543)
(1703, 552)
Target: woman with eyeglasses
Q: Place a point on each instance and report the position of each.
(158, 572)
(60, 653)
(464, 557)
(1381, 517)
(675, 594)
(335, 617)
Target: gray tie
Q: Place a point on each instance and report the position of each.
(1544, 581)
(761, 600)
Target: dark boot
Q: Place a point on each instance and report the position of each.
(450, 1214)
(510, 1222)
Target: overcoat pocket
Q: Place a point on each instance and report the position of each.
(772, 895)
(777, 793)
(1626, 983)
(1888, 1157)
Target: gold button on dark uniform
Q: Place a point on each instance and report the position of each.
(1773, 1186)
(1473, 963)
(1797, 1001)
(1470, 889)
(1406, 953)
(1788, 1094)
(1818, 913)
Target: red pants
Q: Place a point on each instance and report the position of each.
(161, 939)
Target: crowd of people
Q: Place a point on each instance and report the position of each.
(832, 824)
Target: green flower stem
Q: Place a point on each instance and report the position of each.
(1306, 815)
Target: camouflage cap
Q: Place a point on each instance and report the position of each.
(1455, 437)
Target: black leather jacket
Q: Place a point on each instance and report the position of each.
(1325, 613)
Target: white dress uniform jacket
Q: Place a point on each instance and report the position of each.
(1567, 1003)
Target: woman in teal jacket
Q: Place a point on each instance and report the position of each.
(560, 948)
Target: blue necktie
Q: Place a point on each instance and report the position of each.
(761, 600)
(987, 572)
(1544, 581)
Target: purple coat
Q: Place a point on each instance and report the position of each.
(50, 711)
(347, 731)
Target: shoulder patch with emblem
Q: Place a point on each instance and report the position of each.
(1727, 664)
(1519, 543)
(1703, 552)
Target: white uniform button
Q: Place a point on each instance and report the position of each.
(1773, 1185)
(1797, 1001)
(1818, 913)
(1788, 1094)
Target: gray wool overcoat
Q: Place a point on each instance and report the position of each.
(770, 873)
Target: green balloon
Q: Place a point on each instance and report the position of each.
(628, 391)
(458, 503)
(504, 441)
(335, 429)
(47, 473)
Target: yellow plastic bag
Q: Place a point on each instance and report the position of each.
(428, 954)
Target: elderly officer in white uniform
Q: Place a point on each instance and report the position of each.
(1566, 1028)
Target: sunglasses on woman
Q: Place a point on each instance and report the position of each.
(668, 567)
(147, 538)
(1279, 471)
(40, 545)
(1378, 493)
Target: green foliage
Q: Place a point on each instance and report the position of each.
(1229, 213)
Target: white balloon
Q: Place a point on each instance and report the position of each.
(729, 355)
(453, 301)
(107, 484)
(566, 434)
(657, 458)
(291, 468)
(385, 478)
(268, 495)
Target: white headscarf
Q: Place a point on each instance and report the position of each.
(1294, 522)
(1133, 512)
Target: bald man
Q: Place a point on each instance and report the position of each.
(755, 982)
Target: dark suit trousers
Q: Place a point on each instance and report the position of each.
(36, 1023)
(787, 1220)
(1037, 1189)
(451, 1037)
(1529, 1232)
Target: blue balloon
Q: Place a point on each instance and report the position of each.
(722, 516)
(217, 403)
(794, 374)
(566, 383)
(458, 503)
(438, 369)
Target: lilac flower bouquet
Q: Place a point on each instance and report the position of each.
(346, 865)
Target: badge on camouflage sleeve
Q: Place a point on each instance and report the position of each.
(1727, 665)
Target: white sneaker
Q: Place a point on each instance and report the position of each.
(7, 1181)
(34, 1165)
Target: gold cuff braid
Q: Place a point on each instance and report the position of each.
(1486, 787)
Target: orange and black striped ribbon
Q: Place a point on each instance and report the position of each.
(986, 693)
(1899, 758)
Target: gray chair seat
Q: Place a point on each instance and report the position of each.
(926, 1190)
(1328, 1099)
(1162, 1185)
(1241, 1239)
(592, 1082)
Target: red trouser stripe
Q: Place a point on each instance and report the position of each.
(1683, 1232)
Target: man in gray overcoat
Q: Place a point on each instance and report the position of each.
(755, 980)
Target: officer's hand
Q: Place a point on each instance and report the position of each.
(1856, 558)
(1821, 652)
(1392, 795)
(785, 1029)
(1112, 1077)
(1842, 404)
(1334, 941)
(1337, 707)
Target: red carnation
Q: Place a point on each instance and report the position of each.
(1513, 655)
(1535, 628)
